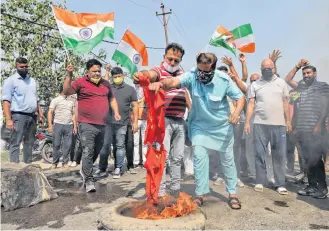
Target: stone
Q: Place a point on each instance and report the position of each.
(24, 187)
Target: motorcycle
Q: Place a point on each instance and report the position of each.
(43, 145)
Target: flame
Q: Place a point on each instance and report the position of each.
(167, 207)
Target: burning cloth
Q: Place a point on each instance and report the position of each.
(154, 135)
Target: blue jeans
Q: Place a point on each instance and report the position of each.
(119, 144)
(276, 135)
(106, 149)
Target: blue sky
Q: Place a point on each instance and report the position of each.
(299, 28)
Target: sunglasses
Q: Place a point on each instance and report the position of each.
(172, 59)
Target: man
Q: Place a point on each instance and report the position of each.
(209, 126)
(64, 127)
(94, 99)
(20, 105)
(126, 97)
(269, 95)
(175, 106)
(312, 110)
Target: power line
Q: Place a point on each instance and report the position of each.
(180, 24)
(140, 5)
(31, 32)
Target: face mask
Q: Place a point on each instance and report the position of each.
(308, 81)
(205, 76)
(118, 80)
(95, 80)
(22, 73)
(169, 68)
(267, 73)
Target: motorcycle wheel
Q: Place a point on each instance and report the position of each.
(47, 153)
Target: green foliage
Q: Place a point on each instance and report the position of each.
(41, 45)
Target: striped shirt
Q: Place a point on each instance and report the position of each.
(175, 103)
(309, 105)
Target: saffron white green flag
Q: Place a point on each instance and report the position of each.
(82, 32)
(131, 52)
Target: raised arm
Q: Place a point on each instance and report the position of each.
(67, 87)
(107, 72)
(241, 85)
(242, 59)
(274, 56)
(289, 78)
(151, 74)
(228, 61)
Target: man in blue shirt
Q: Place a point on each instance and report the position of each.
(210, 121)
(20, 104)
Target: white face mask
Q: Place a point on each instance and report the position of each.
(170, 68)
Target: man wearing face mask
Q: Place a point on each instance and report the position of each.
(20, 105)
(268, 98)
(175, 106)
(94, 100)
(210, 128)
(311, 112)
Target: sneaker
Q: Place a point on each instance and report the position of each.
(83, 175)
(321, 194)
(90, 187)
(240, 183)
(100, 173)
(116, 173)
(69, 163)
(132, 171)
(219, 181)
(259, 188)
(300, 176)
(53, 166)
(282, 190)
(308, 191)
(74, 164)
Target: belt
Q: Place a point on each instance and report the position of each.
(23, 113)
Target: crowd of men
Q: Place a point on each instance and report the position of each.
(215, 122)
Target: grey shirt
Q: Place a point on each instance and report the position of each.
(63, 109)
(269, 97)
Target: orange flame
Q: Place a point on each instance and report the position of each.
(167, 207)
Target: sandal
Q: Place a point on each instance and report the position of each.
(282, 190)
(199, 201)
(234, 201)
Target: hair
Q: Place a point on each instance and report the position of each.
(222, 68)
(21, 60)
(116, 71)
(204, 56)
(93, 62)
(309, 67)
(60, 89)
(175, 47)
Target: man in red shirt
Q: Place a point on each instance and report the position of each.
(94, 99)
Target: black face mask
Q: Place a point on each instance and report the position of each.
(205, 76)
(23, 73)
(267, 73)
(308, 81)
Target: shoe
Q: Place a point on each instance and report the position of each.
(300, 176)
(308, 191)
(240, 183)
(219, 181)
(83, 175)
(259, 188)
(74, 164)
(100, 173)
(320, 194)
(132, 171)
(282, 190)
(69, 163)
(116, 173)
(90, 187)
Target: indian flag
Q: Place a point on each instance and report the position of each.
(222, 38)
(131, 52)
(82, 32)
(244, 39)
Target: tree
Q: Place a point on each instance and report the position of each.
(36, 38)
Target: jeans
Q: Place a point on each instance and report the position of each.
(24, 130)
(130, 147)
(92, 138)
(276, 136)
(119, 144)
(312, 151)
(174, 141)
(139, 138)
(77, 149)
(62, 134)
(238, 147)
(201, 169)
(106, 149)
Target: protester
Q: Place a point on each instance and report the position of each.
(175, 107)
(268, 98)
(64, 127)
(20, 106)
(310, 130)
(94, 100)
(209, 122)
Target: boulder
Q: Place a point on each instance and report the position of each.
(24, 187)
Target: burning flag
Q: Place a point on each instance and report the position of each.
(82, 32)
(131, 52)
(241, 38)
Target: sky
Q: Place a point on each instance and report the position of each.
(299, 28)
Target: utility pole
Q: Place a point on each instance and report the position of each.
(165, 23)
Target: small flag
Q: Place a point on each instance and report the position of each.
(222, 38)
(131, 52)
(82, 32)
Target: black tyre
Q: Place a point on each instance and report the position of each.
(47, 153)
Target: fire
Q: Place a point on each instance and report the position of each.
(167, 207)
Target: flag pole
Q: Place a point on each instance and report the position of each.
(66, 51)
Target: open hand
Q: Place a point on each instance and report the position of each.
(275, 55)
(242, 58)
(227, 61)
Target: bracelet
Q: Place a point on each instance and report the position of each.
(297, 67)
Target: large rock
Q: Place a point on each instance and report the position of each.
(24, 187)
